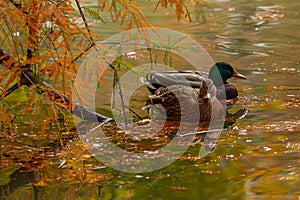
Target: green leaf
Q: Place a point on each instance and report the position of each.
(94, 13)
(127, 65)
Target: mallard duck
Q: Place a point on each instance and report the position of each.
(219, 74)
(191, 88)
(181, 102)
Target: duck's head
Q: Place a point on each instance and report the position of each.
(221, 72)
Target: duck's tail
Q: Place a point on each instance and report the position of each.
(153, 99)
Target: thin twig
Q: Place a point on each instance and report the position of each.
(85, 22)
(116, 81)
(201, 132)
(82, 53)
(135, 113)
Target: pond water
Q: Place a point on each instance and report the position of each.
(258, 157)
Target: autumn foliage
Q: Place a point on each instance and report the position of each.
(41, 41)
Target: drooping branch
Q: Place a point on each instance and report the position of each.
(27, 77)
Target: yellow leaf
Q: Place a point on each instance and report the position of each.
(40, 184)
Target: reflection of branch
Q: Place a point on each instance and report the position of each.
(17, 179)
(201, 132)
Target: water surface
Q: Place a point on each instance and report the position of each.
(257, 158)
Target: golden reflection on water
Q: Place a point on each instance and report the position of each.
(258, 158)
(261, 40)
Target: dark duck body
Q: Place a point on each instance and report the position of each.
(191, 88)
